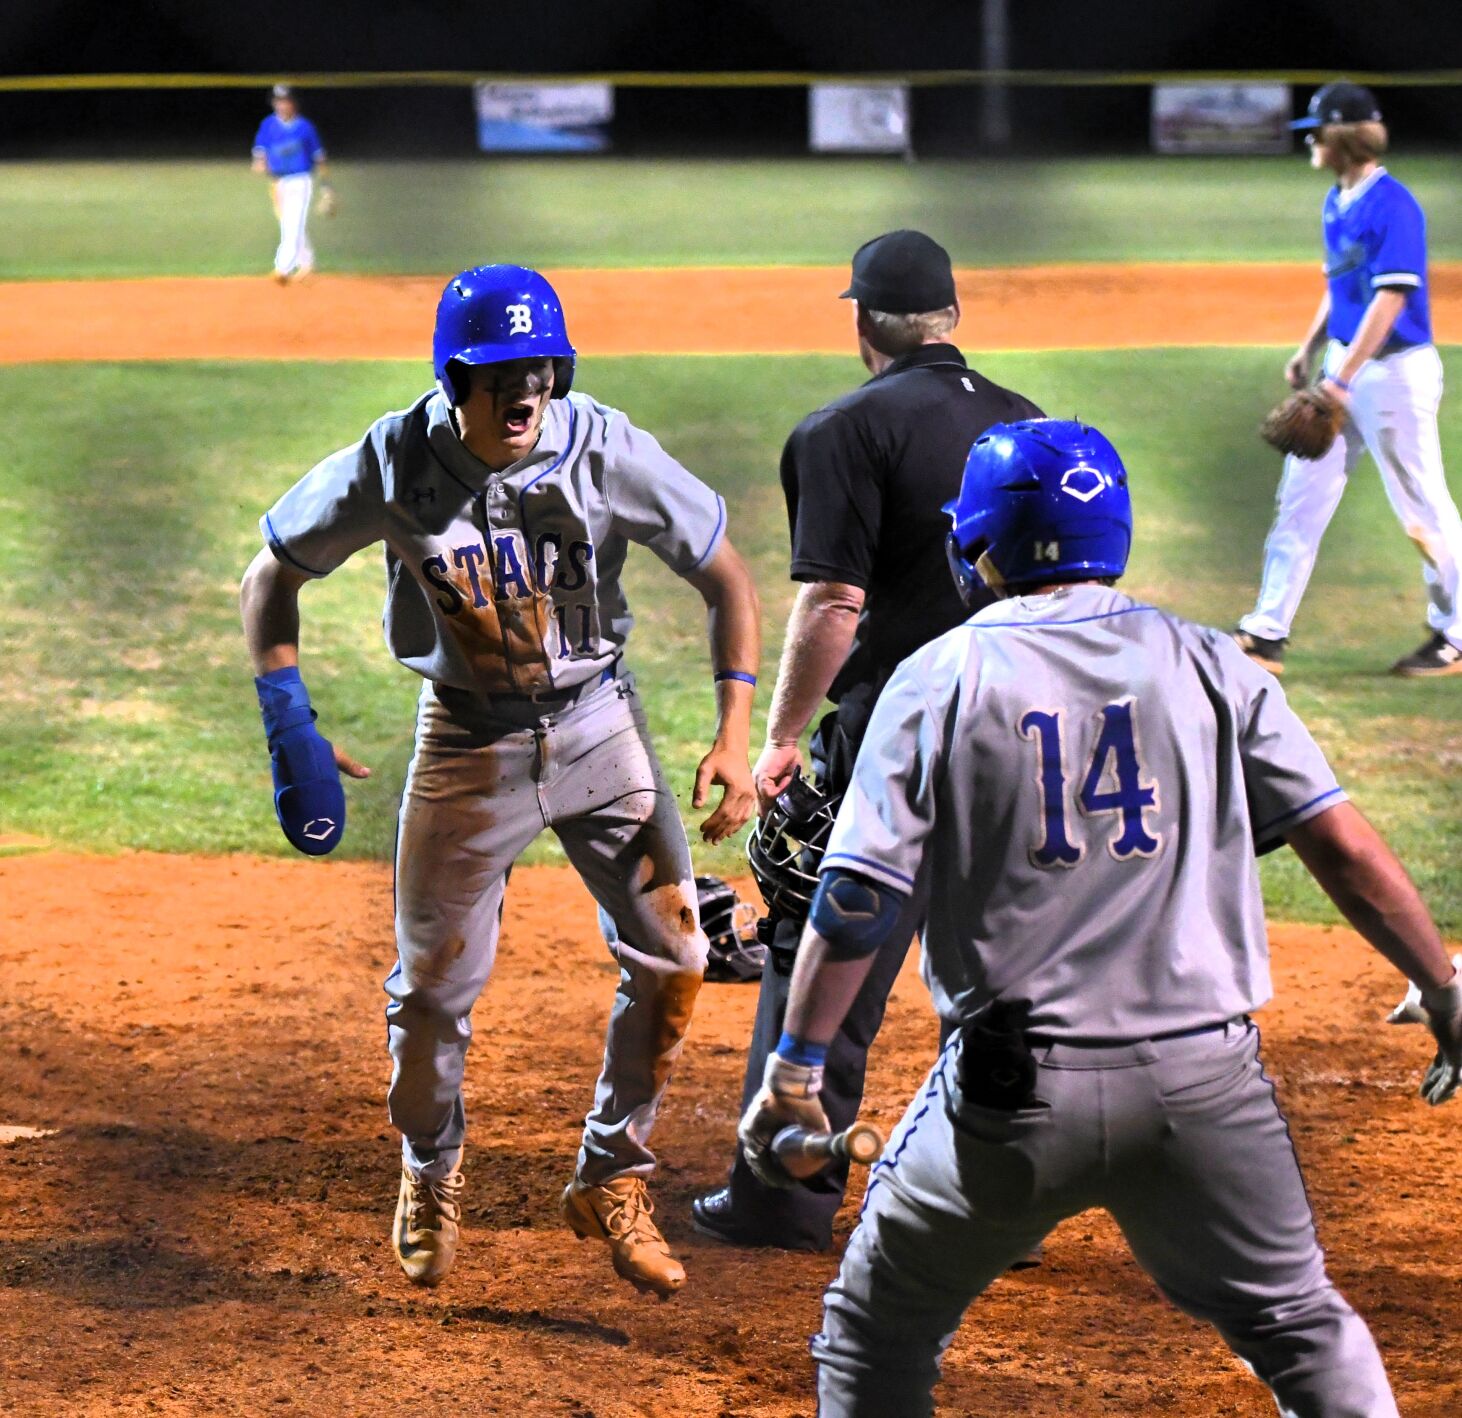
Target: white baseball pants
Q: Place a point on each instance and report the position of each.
(1393, 415)
(485, 780)
(292, 205)
(1181, 1140)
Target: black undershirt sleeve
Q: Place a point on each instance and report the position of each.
(834, 499)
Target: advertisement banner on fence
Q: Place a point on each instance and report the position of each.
(1221, 118)
(858, 118)
(543, 118)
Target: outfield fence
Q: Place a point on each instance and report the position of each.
(955, 112)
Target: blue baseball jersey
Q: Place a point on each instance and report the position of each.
(1375, 237)
(1079, 783)
(288, 148)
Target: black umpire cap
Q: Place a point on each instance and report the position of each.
(281, 91)
(902, 273)
(1340, 103)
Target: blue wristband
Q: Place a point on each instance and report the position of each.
(1337, 381)
(284, 701)
(735, 674)
(799, 1051)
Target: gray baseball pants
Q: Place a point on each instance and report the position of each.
(1181, 1140)
(485, 780)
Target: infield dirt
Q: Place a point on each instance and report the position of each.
(686, 310)
(207, 1230)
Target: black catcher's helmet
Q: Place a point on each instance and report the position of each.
(786, 846)
(730, 926)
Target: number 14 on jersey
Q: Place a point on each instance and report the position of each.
(1114, 784)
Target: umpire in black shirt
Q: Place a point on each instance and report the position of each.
(866, 479)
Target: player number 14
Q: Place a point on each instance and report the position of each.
(1115, 762)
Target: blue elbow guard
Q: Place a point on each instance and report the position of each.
(308, 798)
(854, 914)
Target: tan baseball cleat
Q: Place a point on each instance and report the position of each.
(1268, 653)
(621, 1213)
(424, 1236)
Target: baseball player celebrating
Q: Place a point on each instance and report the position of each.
(507, 505)
(1380, 365)
(288, 149)
(1078, 783)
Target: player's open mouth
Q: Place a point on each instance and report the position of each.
(518, 418)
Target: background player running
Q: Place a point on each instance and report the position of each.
(507, 506)
(1080, 781)
(288, 149)
(1381, 363)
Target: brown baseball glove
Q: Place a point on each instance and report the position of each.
(326, 201)
(1305, 424)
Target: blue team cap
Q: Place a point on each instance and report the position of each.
(281, 91)
(1340, 102)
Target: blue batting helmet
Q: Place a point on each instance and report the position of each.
(489, 314)
(1041, 500)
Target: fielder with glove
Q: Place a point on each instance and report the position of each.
(1379, 390)
(287, 150)
(1306, 424)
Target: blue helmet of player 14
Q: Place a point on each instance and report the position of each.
(489, 314)
(1042, 500)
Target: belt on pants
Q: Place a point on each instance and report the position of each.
(557, 698)
(1107, 1052)
(1045, 1040)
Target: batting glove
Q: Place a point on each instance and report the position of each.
(1443, 1007)
(1410, 1011)
(788, 1098)
(1440, 1009)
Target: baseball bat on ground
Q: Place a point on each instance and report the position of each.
(804, 1154)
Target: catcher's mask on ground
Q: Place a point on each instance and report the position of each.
(730, 927)
(786, 846)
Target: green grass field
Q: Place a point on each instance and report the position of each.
(213, 218)
(129, 495)
(129, 716)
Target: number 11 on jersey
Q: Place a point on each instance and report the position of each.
(1114, 760)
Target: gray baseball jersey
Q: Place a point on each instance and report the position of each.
(500, 583)
(1087, 778)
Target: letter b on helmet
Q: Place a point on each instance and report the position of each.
(489, 314)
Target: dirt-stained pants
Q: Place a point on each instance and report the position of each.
(484, 781)
(1181, 1140)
